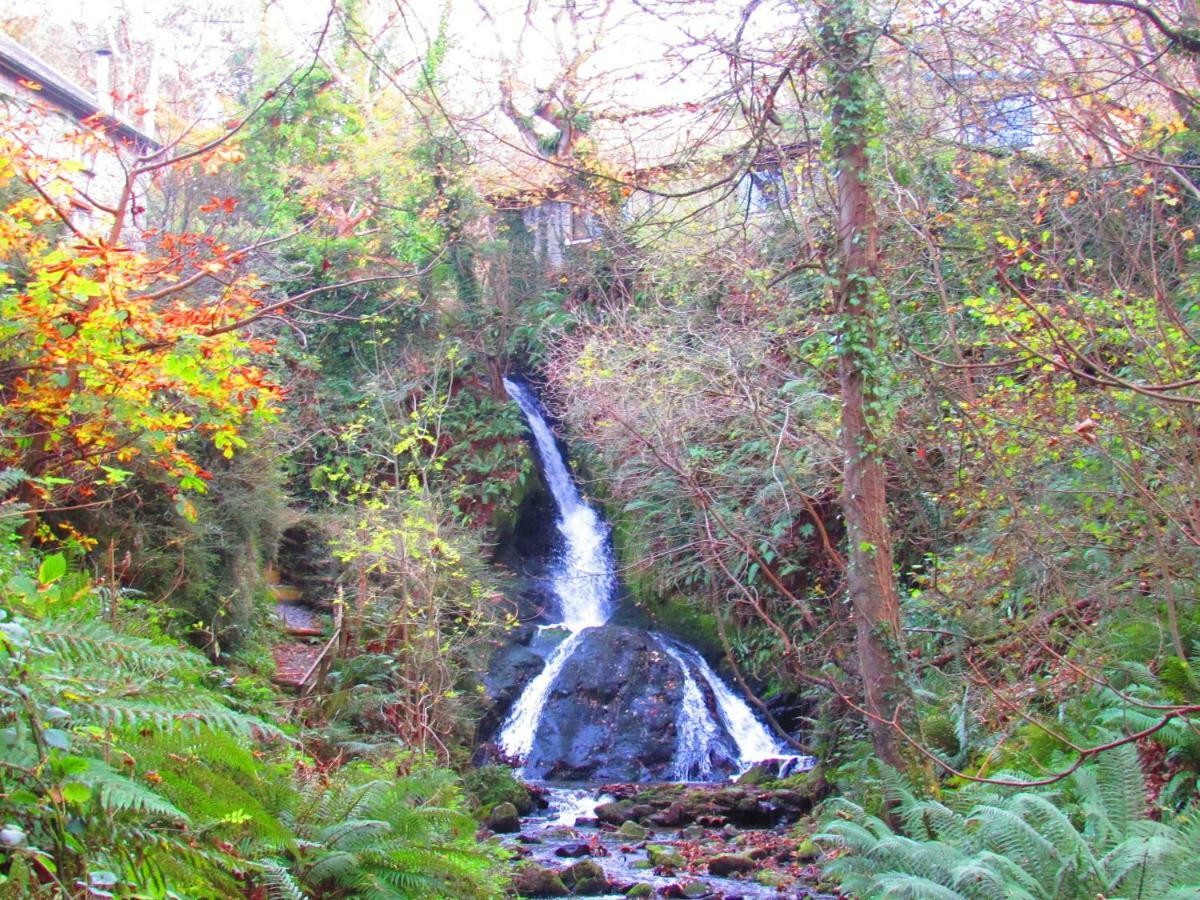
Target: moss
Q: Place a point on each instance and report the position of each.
(490, 786)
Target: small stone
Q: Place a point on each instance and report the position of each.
(641, 889)
(689, 889)
(692, 833)
(504, 819)
(772, 879)
(729, 832)
(533, 880)
(574, 851)
(807, 851)
(731, 864)
(632, 831)
(529, 839)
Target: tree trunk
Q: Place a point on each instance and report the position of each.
(845, 40)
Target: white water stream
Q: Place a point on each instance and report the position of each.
(584, 583)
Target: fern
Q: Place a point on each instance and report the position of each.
(1020, 843)
(396, 840)
(10, 479)
(81, 641)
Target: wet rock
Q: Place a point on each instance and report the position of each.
(689, 889)
(504, 819)
(771, 878)
(512, 667)
(807, 851)
(585, 879)
(692, 833)
(615, 813)
(533, 880)
(632, 831)
(667, 857)
(769, 770)
(611, 713)
(529, 839)
(641, 889)
(574, 851)
(677, 805)
(731, 864)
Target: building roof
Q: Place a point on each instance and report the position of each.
(61, 91)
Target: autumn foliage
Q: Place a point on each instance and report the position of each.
(117, 350)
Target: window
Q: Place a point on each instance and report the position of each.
(583, 226)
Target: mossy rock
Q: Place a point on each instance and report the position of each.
(585, 878)
(615, 813)
(772, 879)
(641, 889)
(731, 864)
(664, 856)
(533, 880)
(807, 851)
(632, 831)
(504, 819)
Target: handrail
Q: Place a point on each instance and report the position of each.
(322, 657)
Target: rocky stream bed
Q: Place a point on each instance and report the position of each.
(668, 840)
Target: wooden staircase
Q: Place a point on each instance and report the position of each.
(311, 639)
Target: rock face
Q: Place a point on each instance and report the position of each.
(512, 667)
(611, 713)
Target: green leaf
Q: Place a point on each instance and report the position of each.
(53, 568)
(74, 792)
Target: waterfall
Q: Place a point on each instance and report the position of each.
(583, 577)
(699, 736)
(754, 742)
(583, 580)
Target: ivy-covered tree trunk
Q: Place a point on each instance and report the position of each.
(845, 41)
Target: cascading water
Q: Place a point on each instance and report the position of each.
(753, 741)
(585, 578)
(715, 732)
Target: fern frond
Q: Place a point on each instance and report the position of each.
(1005, 832)
(118, 794)
(11, 478)
(902, 886)
(89, 641)
(278, 880)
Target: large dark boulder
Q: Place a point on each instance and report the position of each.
(610, 715)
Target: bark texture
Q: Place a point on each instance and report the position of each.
(870, 580)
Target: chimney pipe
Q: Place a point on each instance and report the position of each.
(104, 97)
